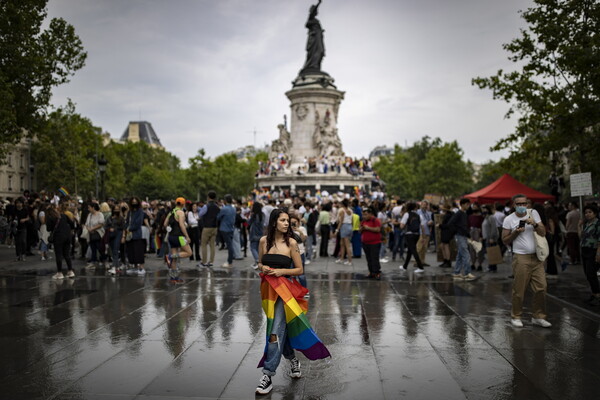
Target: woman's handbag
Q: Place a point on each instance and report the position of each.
(542, 250)
(95, 236)
(85, 234)
(51, 235)
(128, 236)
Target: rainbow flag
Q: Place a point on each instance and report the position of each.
(63, 191)
(299, 332)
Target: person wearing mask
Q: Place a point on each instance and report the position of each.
(62, 224)
(115, 225)
(135, 243)
(94, 225)
(426, 224)
(590, 250)
(518, 231)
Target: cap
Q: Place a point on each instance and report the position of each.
(180, 200)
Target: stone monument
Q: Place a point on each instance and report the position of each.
(313, 135)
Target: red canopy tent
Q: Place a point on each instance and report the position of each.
(504, 189)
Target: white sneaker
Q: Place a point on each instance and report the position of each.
(541, 322)
(132, 271)
(306, 262)
(141, 272)
(384, 260)
(419, 271)
(226, 265)
(255, 266)
(90, 266)
(58, 275)
(43, 258)
(517, 323)
(347, 263)
(71, 274)
(338, 261)
(112, 271)
(402, 269)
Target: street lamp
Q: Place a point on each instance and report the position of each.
(102, 163)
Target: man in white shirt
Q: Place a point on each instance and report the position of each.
(518, 230)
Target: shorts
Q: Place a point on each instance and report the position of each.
(346, 231)
(177, 241)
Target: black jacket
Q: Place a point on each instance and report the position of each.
(459, 224)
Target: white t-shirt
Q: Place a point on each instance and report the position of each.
(525, 242)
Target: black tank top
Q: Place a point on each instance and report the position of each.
(174, 224)
(277, 261)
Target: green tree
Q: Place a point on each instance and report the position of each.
(555, 91)
(32, 62)
(64, 152)
(443, 171)
(428, 166)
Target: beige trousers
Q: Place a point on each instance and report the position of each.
(209, 236)
(528, 272)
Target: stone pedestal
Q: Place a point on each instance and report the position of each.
(315, 103)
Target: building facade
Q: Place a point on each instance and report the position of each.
(17, 172)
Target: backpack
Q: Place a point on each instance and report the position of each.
(413, 225)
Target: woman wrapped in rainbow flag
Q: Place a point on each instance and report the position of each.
(283, 303)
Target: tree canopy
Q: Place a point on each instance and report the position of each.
(555, 88)
(32, 62)
(428, 166)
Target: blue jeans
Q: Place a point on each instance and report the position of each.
(398, 247)
(254, 249)
(115, 245)
(228, 239)
(276, 349)
(463, 258)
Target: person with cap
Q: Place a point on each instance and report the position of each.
(178, 239)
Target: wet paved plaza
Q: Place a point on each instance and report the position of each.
(406, 336)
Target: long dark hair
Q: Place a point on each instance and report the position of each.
(257, 211)
(272, 229)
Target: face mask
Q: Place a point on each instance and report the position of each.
(124, 209)
(521, 209)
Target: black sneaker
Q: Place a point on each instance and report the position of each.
(265, 385)
(295, 368)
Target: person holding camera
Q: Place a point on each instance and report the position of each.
(518, 231)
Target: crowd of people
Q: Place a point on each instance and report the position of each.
(119, 234)
(315, 165)
(286, 230)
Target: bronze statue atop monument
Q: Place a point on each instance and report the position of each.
(315, 47)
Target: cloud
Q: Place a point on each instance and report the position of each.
(207, 73)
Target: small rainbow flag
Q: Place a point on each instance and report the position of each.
(299, 332)
(63, 191)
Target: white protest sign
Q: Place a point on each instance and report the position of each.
(581, 184)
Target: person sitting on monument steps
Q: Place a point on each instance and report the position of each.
(518, 231)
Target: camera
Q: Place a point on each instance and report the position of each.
(522, 224)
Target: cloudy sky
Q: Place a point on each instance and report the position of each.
(207, 73)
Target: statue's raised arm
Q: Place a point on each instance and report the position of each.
(315, 48)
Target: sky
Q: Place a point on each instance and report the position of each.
(208, 73)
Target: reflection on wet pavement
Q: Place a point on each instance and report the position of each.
(402, 337)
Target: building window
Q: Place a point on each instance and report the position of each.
(9, 159)
(10, 183)
(22, 161)
(22, 183)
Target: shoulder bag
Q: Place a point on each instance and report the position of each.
(542, 251)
